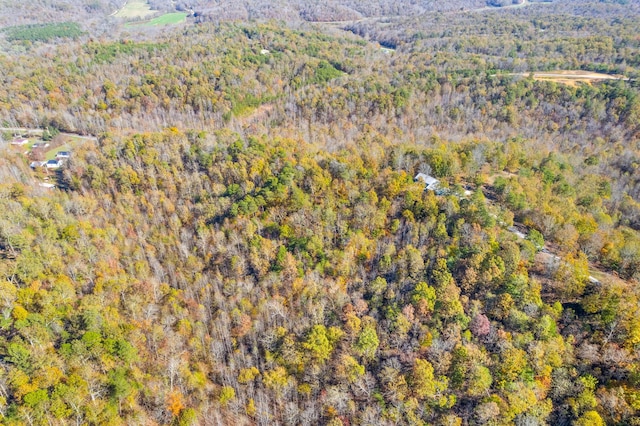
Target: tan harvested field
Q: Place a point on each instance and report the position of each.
(572, 77)
(135, 9)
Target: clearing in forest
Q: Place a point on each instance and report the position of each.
(64, 142)
(166, 19)
(135, 9)
(572, 77)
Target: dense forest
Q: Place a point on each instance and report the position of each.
(96, 12)
(245, 243)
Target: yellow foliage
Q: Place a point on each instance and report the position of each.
(331, 411)
(304, 389)
(352, 323)
(251, 407)
(276, 378)
(633, 336)
(246, 375)
(427, 340)
(52, 376)
(196, 380)
(227, 393)
(349, 368)
(520, 400)
(451, 420)
(633, 398)
(513, 363)
(19, 313)
(174, 403)
(590, 418)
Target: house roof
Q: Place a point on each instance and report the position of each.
(428, 180)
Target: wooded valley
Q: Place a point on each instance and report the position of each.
(246, 242)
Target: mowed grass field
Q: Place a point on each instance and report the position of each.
(135, 9)
(166, 19)
(69, 144)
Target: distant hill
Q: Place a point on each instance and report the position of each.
(87, 11)
(333, 10)
(45, 11)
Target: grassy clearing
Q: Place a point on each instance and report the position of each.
(33, 141)
(135, 9)
(166, 19)
(69, 144)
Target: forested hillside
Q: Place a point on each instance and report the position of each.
(91, 12)
(245, 242)
(313, 11)
(47, 11)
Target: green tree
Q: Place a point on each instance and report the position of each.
(318, 344)
(536, 238)
(367, 341)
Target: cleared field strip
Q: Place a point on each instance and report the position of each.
(135, 9)
(568, 77)
(571, 78)
(166, 19)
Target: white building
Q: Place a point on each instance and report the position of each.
(53, 164)
(430, 182)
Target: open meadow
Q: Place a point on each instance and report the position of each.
(166, 19)
(135, 9)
